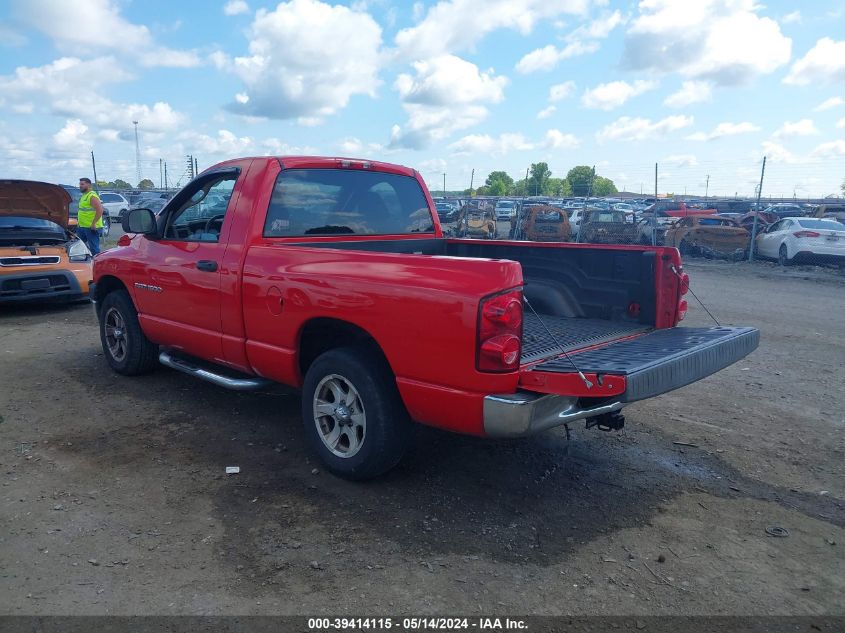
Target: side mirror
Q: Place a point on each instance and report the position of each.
(141, 221)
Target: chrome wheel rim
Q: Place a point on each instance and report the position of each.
(339, 416)
(115, 334)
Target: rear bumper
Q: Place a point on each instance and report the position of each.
(526, 413)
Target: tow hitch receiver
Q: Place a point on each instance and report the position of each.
(607, 421)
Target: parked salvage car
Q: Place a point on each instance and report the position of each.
(40, 259)
(477, 219)
(764, 219)
(803, 239)
(710, 236)
(114, 204)
(542, 223)
(607, 226)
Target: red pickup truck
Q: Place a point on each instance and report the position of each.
(333, 276)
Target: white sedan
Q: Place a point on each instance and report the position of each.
(114, 204)
(808, 239)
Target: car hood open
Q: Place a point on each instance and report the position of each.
(33, 199)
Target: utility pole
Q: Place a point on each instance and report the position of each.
(160, 174)
(707, 187)
(190, 169)
(196, 167)
(444, 184)
(471, 179)
(756, 213)
(137, 154)
(165, 176)
(654, 211)
(94, 167)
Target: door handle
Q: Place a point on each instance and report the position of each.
(207, 265)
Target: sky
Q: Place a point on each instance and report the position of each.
(702, 88)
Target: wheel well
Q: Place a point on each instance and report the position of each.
(107, 284)
(321, 335)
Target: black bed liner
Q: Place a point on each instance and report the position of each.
(571, 333)
(663, 360)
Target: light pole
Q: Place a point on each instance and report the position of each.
(137, 154)
(444, 184)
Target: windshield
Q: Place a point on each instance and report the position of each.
(549, 216)
(343, 201)
(827, 225)
(29, 224)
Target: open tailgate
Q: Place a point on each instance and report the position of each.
(642, 366)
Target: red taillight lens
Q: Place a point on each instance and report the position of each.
(682, 310)
(500, 332)
(124, 240)
(684, 281)
(807, 234)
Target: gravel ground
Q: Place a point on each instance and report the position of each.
(114, 498)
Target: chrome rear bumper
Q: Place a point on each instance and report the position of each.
(526, 413)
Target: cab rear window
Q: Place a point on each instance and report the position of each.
(346, 202)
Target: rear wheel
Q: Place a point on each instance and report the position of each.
(353, 414)
(125, 346)
(783, 256)
(106, 225)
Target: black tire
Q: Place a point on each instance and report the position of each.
(140, 356)
(106, 224)
(387, 430)
(783, 256)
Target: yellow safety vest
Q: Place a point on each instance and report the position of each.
(87, 212)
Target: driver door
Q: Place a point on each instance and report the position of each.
(768, 241)
(178, 289)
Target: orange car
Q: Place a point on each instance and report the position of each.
(39, 258)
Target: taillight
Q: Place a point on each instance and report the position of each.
(682, 310)
(684, 281)
(500, 332)
(124, 240)
(807, 234)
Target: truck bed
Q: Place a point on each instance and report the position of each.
(571, 333)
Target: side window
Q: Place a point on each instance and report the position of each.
(200, 217)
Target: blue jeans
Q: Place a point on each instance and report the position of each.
(91, 238)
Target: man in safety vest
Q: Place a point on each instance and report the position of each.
(90, 217)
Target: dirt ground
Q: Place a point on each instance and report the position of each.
(114, 498)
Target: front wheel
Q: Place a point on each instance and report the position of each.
(106, 225)
(353, 415)
(125, 346)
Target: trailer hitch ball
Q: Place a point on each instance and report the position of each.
(607, 422)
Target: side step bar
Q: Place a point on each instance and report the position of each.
(186, 366)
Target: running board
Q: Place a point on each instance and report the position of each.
(186, 366)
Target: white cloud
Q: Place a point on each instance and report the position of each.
(486, 144)
(791, 18)
(723, 41)
(690, 92)
(827, 104)
(545, 113)
(454, 25)
(639, 129)
(840, 123)
(72, 136)
(681, 160)
(352, 146)
(235, 7)
(612, 95)
(804, 127)
(555, 139)
(777, 153)
(307, 59)
(825, 62)
(830, 149)
(96, 25)
(444, 95)
(225, 143)
(559, 92)
(548, 57)
(724, 129)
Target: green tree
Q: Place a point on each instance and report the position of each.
(538, 178)
(558, 187)
(497, 188)
(579, 179)
(603, 187)
(121, 184)
(146, 183)
(501, 176)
